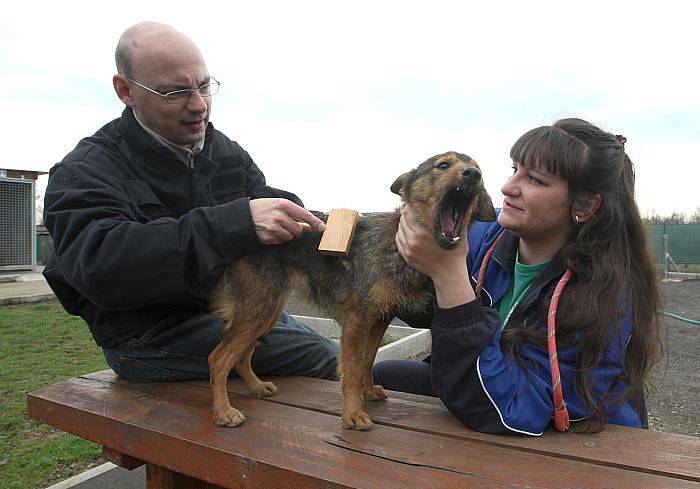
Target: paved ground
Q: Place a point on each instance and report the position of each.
(673, 403)
(23, 287)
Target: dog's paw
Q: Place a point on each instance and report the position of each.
(264, 389)
(359, 421)
(228, 417)
(374, 393)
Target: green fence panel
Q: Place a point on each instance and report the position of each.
(683, 242)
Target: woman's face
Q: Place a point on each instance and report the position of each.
(536, 205)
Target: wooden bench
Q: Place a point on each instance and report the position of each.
(295, 439)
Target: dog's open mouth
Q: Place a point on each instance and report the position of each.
(452, 216)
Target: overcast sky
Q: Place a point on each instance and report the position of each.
(335, 100)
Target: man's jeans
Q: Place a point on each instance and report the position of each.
(180, 352)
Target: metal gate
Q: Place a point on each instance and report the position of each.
(17, 235)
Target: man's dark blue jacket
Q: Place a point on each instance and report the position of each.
(140, 238)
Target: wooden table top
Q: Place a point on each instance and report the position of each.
(295, 439)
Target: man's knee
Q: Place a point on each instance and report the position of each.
(325, 360)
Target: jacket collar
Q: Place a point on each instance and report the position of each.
(499, 273)
(504, 254)
(147, 145)
(186, 155)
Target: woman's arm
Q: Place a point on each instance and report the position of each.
(495, 395)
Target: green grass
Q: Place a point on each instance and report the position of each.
(39, 345)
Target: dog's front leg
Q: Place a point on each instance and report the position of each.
(352, 357)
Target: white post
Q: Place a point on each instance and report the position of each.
(665, 262)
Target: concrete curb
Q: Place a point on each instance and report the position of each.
(106, 476)
(27, 299)
(680, 276)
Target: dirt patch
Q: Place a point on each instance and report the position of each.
(673, 402)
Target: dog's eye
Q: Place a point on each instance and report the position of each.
(444, 165)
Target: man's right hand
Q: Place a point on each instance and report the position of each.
(280, 220)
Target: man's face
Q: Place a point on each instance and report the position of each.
(172, 68)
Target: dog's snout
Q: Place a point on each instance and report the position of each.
(471, 175)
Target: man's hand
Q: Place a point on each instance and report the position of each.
(280, 220)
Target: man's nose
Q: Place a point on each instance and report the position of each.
(196, 103)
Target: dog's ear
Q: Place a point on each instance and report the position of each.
(399, 183)
(484, 210)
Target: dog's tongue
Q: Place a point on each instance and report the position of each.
(448, 224)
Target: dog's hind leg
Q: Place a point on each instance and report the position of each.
(370, 391)
(235, 350)
(232, 349)
(256, 386)
(250, 306)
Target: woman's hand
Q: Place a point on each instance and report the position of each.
(447, 268)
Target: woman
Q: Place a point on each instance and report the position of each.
(568, 215)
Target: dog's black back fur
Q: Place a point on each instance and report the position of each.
(329, 281)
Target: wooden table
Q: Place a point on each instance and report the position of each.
(295, 440)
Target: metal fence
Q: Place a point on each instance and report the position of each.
(683, 242)
(17, 233)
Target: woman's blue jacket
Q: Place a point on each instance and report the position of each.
(485, 387)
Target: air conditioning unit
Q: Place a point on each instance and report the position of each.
(17, 228)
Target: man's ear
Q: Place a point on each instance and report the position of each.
(397, 186)
(123, 90)
(484, 211)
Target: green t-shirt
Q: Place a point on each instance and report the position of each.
(523, 275)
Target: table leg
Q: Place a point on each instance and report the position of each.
(158, 477)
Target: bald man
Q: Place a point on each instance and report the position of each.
(146, 213)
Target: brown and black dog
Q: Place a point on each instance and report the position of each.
(363, 291)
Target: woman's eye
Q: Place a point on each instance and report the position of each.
(533, 179)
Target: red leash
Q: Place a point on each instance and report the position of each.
(561, 414)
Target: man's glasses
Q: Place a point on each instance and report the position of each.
(181, 96)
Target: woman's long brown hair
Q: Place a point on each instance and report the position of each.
(608, 254)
